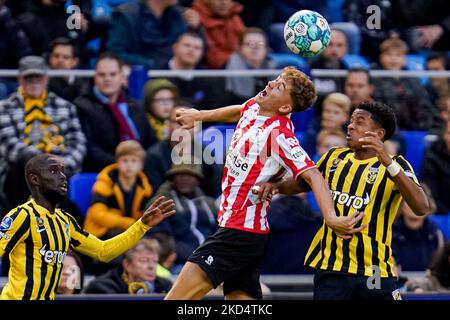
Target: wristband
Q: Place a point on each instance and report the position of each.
(393, 169)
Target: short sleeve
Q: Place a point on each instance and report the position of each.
(13, 229)
(290, 154)
(407, 168)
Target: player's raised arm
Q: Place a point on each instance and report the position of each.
(109, 249)
(188, 117)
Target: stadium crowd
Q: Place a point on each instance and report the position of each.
(96, 126)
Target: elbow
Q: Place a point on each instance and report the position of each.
(422, 209)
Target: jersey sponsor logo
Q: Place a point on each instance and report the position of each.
(6, 223)
(372, 175)
(348, 200)
(52, 256)
(236, 164)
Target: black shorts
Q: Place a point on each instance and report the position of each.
(233, 257)
(330, 285)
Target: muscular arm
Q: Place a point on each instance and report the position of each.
(187, 117)
(412, 193)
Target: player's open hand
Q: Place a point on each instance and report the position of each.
(186, 117)
(372, 141)
(264, 190)
(158, 211)
(345, 226)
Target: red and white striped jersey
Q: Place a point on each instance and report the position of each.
(262, 149)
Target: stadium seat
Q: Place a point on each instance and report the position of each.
(290, 59)
(443, 222)
(416, 62)
(80, 189)
(416, 143)
(356, 61)
(335, 10)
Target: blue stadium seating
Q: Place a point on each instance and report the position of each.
(416, 62)
(290, 59)
(416, 144)
(356, 61)
(335, 11)
(80, 190)
(443, 222)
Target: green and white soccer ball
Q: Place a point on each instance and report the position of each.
(307, 33)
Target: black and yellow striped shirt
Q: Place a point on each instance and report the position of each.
(37, 242)
(358, 185)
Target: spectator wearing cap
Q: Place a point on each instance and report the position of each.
(34, 120)
(108, 115)
(196, 213)
(143, 31)
(160, 96)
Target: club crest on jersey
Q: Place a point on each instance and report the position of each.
(6, 223)
(40, 223)
(335, 163)
(372, 175)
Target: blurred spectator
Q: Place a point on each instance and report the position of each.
(406, 96)
(143, 31)
(108, 115)
(436, 170)
(252, 54)
(257, 13)
(158, 159)
(292, 228)
(396, 145)
(359, 86)
(196, 213)
(167, 254)
(119, 194)
(329, 138)
(335, 116)
(223, 27)
(136, 275)
(204, 92)
(160, 96)
(438, 87)
(46, 20)
(72, 275)
(415, 238)
(438, 274)
(63, 56)
(331, 58)
(34, 121)
(444, 108)
(14, 45)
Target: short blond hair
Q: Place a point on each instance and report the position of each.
(394, 44)
(339, 99)
(130, 148)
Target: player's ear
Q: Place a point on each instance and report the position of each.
(381, 134)
(33, 179)
(285, 109)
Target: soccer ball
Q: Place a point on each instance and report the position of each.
(307, 33)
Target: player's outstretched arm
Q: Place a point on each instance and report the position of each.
(188, 117)
(105, 251)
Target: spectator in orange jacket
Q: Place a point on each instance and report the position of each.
(120, 193)
(223, 26)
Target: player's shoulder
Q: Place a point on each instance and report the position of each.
(64, 214)
(335, 152)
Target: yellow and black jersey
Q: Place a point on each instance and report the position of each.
(37, 242)
(358, 185)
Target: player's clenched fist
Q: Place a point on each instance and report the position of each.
(187, 117)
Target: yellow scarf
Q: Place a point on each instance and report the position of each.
(160, 127)
(39, 128)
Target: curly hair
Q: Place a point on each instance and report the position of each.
(303, 92)
(382, 114)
